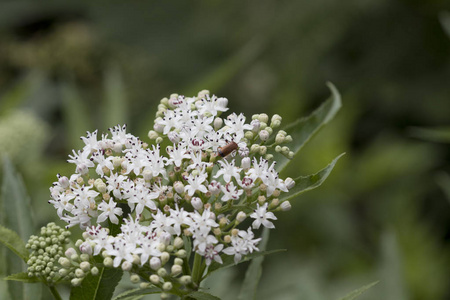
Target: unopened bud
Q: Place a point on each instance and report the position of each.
(135, 278)
(94, 271)
(264, 135)
(185, 280)
(79, 273)
(285, 206)
(245, 163)
(162, 272)
(181, 253)
(218, 122)
(108, 262)
(126, 266)
(64, 182)
(154, 279)
(176, 270)
(85, 266)
(178, 242)
(234, 232)
(164, 258)
(197, 203)
(155, 263)
(241, 216)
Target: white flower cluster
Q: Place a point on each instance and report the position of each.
(213, 175)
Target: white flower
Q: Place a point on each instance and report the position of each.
(261, 216)
(213, 253)
(195, 183)
(231, 192)
(109, 211)
(228, 170)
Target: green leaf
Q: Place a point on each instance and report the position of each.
(444, 17)
(23, 277)
(254, 271)
(310, 182)
(202, 296)
(304, 128)
(131, 294)
(228, 260)
(443, 180)
(352, 295)
(115, 98)
(15, 214)
(13, 241)
(98, 287)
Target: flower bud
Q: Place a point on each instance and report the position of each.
(255, 125)
(94, 271)
(85, 266)
(245, 163)
(174, 137)
(155, 263)
(159, 140)
(154, 279)
(134, 278)
(76, 281)
(196, 203)
(278, 149)
(82, 169)
(108, 262)
(241, 216)
(162, 272)
(64, 182)
(275, 123)
(264, 135)
(254, 148)
(263, 118)
(291, 155)
(86, 248)
(227, 239)
(178, 242)
(144, 285)
(262, 150)
(64, 262)
(79, 273)
(63, 272)
(279, 139)
(165, 257)
(176, 270)
(126, 266)
(70, 252)
(167, 286)
(185, 280)
(222, 102)
(289, 182)
(234, 232)
(181, 253)
(218, 122)
(285, 206)
(288, 139)
(152, 135)
(158, 127)
(249, 135)
(268, 156)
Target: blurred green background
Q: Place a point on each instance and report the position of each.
(71, 66)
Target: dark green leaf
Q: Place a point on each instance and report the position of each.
(303, 129)
(228, 260)
(16, 214)
(136, 293)
(307, 183)
(254, 271)
(23, 277)
(443, 179)
(202, 296)
(98, 287)
(13, 241)
(352, 295)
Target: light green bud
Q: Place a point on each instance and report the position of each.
(269, 156)
(159, 140)
(262, 125)
(134, 278)
(165, 256)
(94, 271)
(275, 123)
(162, 272)
(176, 270)
(291, 155)
(262, 150)
(167, 286)
(263, 118)
(178, 242)
(165, 101)
(153, 135)
(85, 266)
(76, 282)
(178, 261)
(108, 262)
(84, 257)
(181, 253)
(164, 296)
(279, 139)
(126, 266)
(288, 139)
(185, 280)
(64, 262)
(255, 117)
(154, 279)
(63, 272)
(144, 285)
(79, 273)
(254, 148)
(249, 135)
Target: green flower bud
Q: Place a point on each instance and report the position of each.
(185, 280)
(85, 266)
(76, 282)
(134, 278)
(154, 279)
(176, 270)
(108, 262)
(153, 135)
(162, 272)
(79, 273)
(263, 118)
(167, 286)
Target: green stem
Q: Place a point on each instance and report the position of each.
(54, 292)
(197, 270)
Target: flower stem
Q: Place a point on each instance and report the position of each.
(54, 292)
(197, 270)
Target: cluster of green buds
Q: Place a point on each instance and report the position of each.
(46, 251)
(76, 266)
(263, 131)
